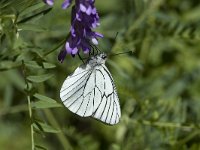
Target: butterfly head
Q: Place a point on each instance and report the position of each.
(98, 59)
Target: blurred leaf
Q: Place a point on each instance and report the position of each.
(34, 16)
(44, 98)
(118, 69)
(39, 78)
(39, 10)
(7, 65)
(44, 65)
(31, 27)
(14, 78)
(45, 102)
(45, 127)
(40, 147)
(32, 8)
(42, 105)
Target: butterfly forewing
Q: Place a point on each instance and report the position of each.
(90, 91)
(73, 87)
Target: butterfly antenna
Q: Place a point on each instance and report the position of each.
(116, 36)
(114, 40)
(97, 49)
(121, 53)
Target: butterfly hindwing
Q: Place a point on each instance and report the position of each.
(108, 110)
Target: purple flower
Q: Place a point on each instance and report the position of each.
(49, 2)
(66, 4)
(84, 19)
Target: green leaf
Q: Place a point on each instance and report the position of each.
(31, 27)
(45, 127)
(40, 147)
(12, 77)
(44, 98)
(45, 102)
(32, 8)
(35, 16)
(39, 78)
(48, 65)
(42, 105)
(4, 3)
(34, 64)
(7, 65)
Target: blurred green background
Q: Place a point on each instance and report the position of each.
(158, 85)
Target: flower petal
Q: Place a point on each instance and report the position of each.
(86, 50)
(49, 2)
(83, 8)
(68, 48)
(72, 31)
(94, 41)
(62, 55)
(66, 4)
(89, 10)
(98, 34)
(74, 51)
(84, 18)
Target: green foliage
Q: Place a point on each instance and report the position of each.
(158, 84)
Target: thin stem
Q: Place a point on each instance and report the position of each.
(56, 47)
(29, 106)
(52, 120)
(130, 52)
(32, 130)
(65, 143)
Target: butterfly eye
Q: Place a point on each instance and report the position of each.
(104, 56)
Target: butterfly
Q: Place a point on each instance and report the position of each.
(90, 91)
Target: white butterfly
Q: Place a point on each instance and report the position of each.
(90, 91)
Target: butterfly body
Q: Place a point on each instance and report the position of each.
(90, 91)
(97, 60)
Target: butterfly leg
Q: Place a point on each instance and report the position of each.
(81, 58)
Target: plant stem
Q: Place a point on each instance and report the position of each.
(52, 121)
(55, 48)
(32, 130)
(29, 105)
(65, 143)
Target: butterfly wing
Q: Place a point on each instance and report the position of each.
(106, 106)
(72, 91)
(90, 91)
